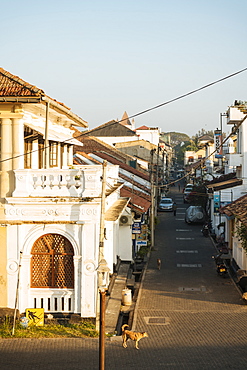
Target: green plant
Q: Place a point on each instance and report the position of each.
(143, 251)
(241, 232)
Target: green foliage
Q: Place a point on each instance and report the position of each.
(174, 138)
(199, 196)
(143, 251)
(241, 232)
(85, 329)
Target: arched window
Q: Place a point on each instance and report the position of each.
(52, 262)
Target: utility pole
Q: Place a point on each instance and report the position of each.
(157, 180)
(152, 200)
(101, 238)
(102, 212)
(102, 271)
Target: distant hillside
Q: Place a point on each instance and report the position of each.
(174, 138)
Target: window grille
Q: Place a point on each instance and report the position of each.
(52, 262)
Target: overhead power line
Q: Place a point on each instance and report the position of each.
(144, 111)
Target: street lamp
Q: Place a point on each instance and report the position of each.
(103, 282)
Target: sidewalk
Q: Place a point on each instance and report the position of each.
(115, 299)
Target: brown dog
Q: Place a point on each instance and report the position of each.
(159, 263)
(133, 335)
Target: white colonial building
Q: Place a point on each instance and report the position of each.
(50, 210)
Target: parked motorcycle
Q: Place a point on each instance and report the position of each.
(220, 266)
(205, 230)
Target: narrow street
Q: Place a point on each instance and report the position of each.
(194, 318)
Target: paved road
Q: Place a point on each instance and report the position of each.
(195, 319)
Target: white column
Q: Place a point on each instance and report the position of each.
(77, 286)
(6, 154)
(35, 155)
(70, 155)
(59, 165)
(65, 156)
(18, 143)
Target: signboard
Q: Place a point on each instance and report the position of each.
(218, 144)
(141, 243)
(136, 227)
(143, 234)
(35, 316)
(216, 203)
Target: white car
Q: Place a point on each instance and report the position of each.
(188, 189)
(166, 204)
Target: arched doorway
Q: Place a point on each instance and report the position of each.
(52, 273)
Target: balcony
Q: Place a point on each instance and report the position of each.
(80, 182)
(234, 115)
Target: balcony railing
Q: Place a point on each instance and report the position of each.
(52, 300)
(58, 182)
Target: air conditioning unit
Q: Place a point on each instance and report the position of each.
(125, 220)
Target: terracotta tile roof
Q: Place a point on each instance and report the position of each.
(79, 160)
(135, 183)
(92, 144)
(123, 165)
(138, 200)
(14, 86)
(225, 184)
(143, 128)
(237, 208)
(224, 181)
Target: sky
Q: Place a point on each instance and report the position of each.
(104, 57)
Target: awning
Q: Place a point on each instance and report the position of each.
(115, 211)
(54, 135)
(138, 202)
(225, 184)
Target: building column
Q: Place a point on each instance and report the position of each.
(59, 164)
(6, 156)
(77, 284)
(35, 155)
(18, 143)
(65, 156)
(70, 162)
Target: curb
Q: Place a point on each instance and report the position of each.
(139, 293)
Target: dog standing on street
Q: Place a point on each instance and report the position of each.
(133, 335)
(159, 263)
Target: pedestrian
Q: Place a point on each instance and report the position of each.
(174, 208)
(179, 188)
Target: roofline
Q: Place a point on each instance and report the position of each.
(65, 110)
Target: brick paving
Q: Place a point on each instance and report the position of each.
(194, 318)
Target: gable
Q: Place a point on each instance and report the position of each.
(112, 128)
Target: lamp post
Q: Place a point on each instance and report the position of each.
(103, 282)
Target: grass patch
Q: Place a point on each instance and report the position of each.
(81, 330)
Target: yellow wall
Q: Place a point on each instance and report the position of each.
(3, 264)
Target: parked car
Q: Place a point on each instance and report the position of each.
(166, 204)
(188, 189)
(195, 214)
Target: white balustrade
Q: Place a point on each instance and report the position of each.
(52, 300)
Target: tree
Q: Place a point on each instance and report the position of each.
(199, 196)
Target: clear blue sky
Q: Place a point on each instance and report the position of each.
(104, 57)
